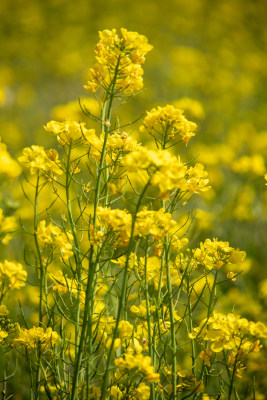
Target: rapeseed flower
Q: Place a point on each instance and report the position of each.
(165, 123)
(12, 274)
(119, 57)
(214, 254)
(36, 158)
(138, 362)
(52, 235)
(31, 338)
(9, 168)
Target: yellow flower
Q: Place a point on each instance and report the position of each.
(142, 365)
(125, 330)
(31, 338)
(66, 132)
(258, 329)
(3, 335)
(116, 393)
(7, 226)
(228, 331)
(141, 310)
(165, 123)
(9, 168)
(214, 254)
(231, 276)
(37, 159)
(3, 315)
(52, 235)
(166, 171)
(12, 274)
(120, 221)
(142, 392)
(155, 223)
(120, 53)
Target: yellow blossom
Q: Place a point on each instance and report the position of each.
(12, 274)
(125, 330)
(31, 338)
(66, 132)
(214, 254)
(9, 168)
(37, 159)
(165, 123)
(8, 225)
(142, 365)
(120, 54)
(227, 331)
(52, 235)
(166, 171)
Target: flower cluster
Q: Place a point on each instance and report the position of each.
(12, 274)
(37, 159)
(147, 222)
(3, 318)
(68, 132)
(120, 221)
(119, 144)
(214, 254)
(119, 58)
(138, 362)
(167, 172)
(52, 235)
(32, 338)
(7, 326)
(7, 226)
(9, 168)
(228, 331)
(165, 123)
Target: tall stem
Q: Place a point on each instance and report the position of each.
(78, 261)
(41, 283)
(122, 300)
(89, 298)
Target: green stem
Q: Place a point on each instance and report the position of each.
(148, 316)
(122, 300)
(89, 299)
(41, 283)
(190, 316)
(78, 261)
(172, 320)
(171, 310)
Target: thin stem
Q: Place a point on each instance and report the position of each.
(89, 299)
(122, 300)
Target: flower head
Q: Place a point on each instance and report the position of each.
(119, 56)
(165, 123)
(37, 159)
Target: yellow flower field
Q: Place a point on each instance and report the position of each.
(133, 206)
